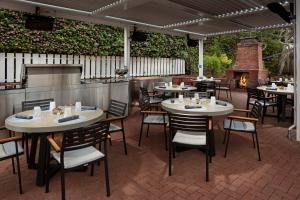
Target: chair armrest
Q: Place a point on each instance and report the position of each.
(241, 110)
(243, 118)
(53, 144)
(111, 119)
(10, 139)
(210, 127)
(154, 112)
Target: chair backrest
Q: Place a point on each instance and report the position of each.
(43, 103)
(202, 95)
(84, 137)
(252, 92)
(117, 108)
(256, 110)
(144, 91)
(155, 84)
(188, 123)
(204, 85)
(144, 102)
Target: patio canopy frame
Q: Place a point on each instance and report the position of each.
(199, 19)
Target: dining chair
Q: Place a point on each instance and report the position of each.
(154, 98)
(78, 148)
(202, 95)
(189, 131)
(244, 125)
(254, 95)
(10, 148)
(116, 113)
(225, 87)
(29, 105)
(207, 86)
(151, 117)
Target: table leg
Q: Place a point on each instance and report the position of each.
(281, 106)
(33, 147)
(211, 140)
(41, 168)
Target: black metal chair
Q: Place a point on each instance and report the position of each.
(189, 131)
(11, 149)
(207, 86)
(150, 117)
(116, 113)
(202, 95)
(243, 124)
(154, 98)
(29, 105)
(79, 149)
(225, 87)
(254, 95)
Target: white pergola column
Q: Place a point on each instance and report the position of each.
(297, 71)
(127, 48)
(200, 64)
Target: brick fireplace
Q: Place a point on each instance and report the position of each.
(248, 67)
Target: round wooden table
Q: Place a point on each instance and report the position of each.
(206, 110)
(281, 98)
(40, 127)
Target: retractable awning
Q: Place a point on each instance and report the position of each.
(177, 17)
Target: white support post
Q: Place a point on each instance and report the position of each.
(297, 71)
(127, 48)
(200, 64)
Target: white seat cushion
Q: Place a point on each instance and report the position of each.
(156, 119)
(78, 157)
(190, 138)
(267, 103)
(9, 149)
(114, 127)
(239, 125)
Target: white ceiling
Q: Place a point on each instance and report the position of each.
(200, 18)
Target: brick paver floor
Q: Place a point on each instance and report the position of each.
(143, 173)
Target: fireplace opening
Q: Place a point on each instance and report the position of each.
(241, 79)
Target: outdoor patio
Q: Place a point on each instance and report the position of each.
(143, 173)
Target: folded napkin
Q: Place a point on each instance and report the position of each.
(19, 116)
(191, 107)
(70, 118)
(88, 108)
(184, 88)
(221, 103)
(162, 87)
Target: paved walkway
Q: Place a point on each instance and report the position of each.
(143, 174)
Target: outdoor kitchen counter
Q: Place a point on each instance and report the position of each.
(96, 93)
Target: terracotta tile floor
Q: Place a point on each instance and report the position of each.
(143, 173)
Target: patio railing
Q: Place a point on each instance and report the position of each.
(93, 66)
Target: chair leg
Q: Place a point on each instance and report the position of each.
(92, 169)
(110, 143)
(147, 130)
(170, 156)
(226, 94)
(166, 137)
(27, 147)
(62, 179)
(124, 141)
(141, 131)
(174, 150)
(263, 115)
(18, 169)
(253, 140)
(258, 151)
(13, 165)
(206, 164)
(225, 136)
(227, 142)
(106, 177)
